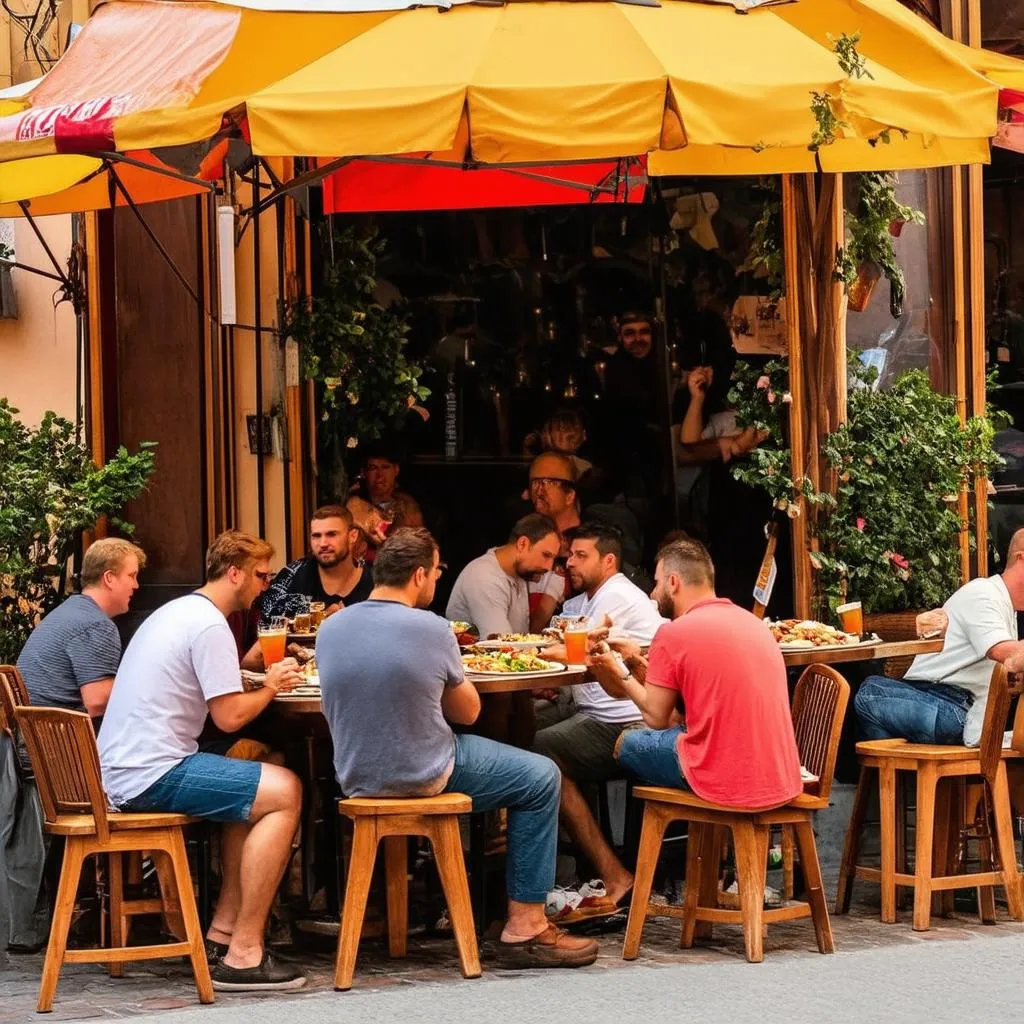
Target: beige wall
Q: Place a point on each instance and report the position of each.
(37, 351)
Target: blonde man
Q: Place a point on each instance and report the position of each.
(72, 655)
(181, 665)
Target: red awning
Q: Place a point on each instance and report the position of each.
(393, 185)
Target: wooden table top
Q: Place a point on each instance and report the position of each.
(862, 652)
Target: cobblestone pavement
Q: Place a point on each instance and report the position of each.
(86, 993)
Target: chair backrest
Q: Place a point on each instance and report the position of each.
(62, 746)
(819, 708)
(1000, 694)
(13, 694)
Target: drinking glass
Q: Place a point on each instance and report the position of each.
(303, 622)
(273, 638)
(575, 634)
(316, 614)
(851, 618)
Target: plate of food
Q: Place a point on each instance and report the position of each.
(465, 633)
(806, 634)
(516, 641)
(508, 661)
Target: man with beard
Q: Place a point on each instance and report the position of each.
(583, 745)
(491, 593)
(329, 574)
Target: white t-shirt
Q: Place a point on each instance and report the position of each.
(633, 614)
(720, 424)
(183, 655)
(485, 595)
(981, 615)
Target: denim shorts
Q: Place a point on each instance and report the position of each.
(651, 756)
(203, 786)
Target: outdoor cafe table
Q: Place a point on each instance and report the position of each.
(861, 652)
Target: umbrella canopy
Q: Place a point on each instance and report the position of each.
(697, 86)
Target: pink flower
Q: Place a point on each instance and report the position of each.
(771, 397)
(861, 523)
(763, 382)
(898, 560)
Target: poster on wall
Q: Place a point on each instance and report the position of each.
(758, 326)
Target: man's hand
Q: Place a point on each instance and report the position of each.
(629, 649)
(725, 448)
(605, 669)
(698, 380)
(599, 633)
(332, 608)
(283, 676)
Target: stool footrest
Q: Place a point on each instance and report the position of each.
(103, 956)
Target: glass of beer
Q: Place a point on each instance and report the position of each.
(303, 623)
(575, 634)
(851, 618)
(316, 614)
(273, 637)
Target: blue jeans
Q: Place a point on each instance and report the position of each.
(205, 786)
(908, 709)
(495, 775)
(650, 755)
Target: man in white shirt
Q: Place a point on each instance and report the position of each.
(583, 745)
(942, 697)
(181, 665)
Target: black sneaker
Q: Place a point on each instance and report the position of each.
(270, 976)
(215, 951)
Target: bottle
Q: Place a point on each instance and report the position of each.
(451, 421)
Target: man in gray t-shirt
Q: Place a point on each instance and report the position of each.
(391, 679)
(491, 591)
(71, 657)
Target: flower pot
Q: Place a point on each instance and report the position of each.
(861, 290)
(896, 228)
(892, 626)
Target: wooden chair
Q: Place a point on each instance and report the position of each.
(394, 820)
(62, 747)
(818, 709)
(941, 774)
(13, 694)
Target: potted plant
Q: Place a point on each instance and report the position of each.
(355, 349)
(50, 491)
(877, 218)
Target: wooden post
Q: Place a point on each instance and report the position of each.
(802, 581)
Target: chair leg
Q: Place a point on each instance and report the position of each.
(651, 833)
(118, 922)
(887, 816)
(357, 889)
(815, 887)
(713, 850)
(851, 848)
(695, 833)
(1004, 843)
(788, 857)
(181, 876)
(451, 866)
(924, 830)
(750, 843)
(940, 851)
(63, 909)
(396, 873)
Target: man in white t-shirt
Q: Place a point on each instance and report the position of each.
(942, 697)
(583, 745)
(181, 665)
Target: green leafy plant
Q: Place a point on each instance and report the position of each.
(50, 491)
(869, 236)
(354, 347)
(766, 256)
(902, 458)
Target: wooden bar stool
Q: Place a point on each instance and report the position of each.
(62, 747)
(394, 820)
(941, 773)
(819, 706)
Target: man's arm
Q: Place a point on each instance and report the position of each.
(461, 703)
(656, 703)
(704, 451)
(95, 696)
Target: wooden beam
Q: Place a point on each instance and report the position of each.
(802, 576)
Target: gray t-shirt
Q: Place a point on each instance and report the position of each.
(487, 596)
(77, 643)
(383, 668)
(183, 655)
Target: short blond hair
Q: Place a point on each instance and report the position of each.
(108, 555)
(235, 549)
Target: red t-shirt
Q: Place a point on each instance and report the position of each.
(738, 749)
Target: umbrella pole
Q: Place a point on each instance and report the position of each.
(257, 284)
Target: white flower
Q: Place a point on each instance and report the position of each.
(786, 397)
(331, 383)
(793, 510)
(351, 442)
(352, 397)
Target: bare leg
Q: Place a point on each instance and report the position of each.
(525, 921)
(264, 855)
(580, 823)
(232, 842)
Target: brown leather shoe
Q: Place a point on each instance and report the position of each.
(552, 948)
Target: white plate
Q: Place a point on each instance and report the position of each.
(553, 669)
(866, 642)
(515, 645)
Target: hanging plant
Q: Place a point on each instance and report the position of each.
(354, 347)
(869, 251)
(765, 258)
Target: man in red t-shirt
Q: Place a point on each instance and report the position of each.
(722, 665)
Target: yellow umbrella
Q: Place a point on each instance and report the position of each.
(702, 89)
